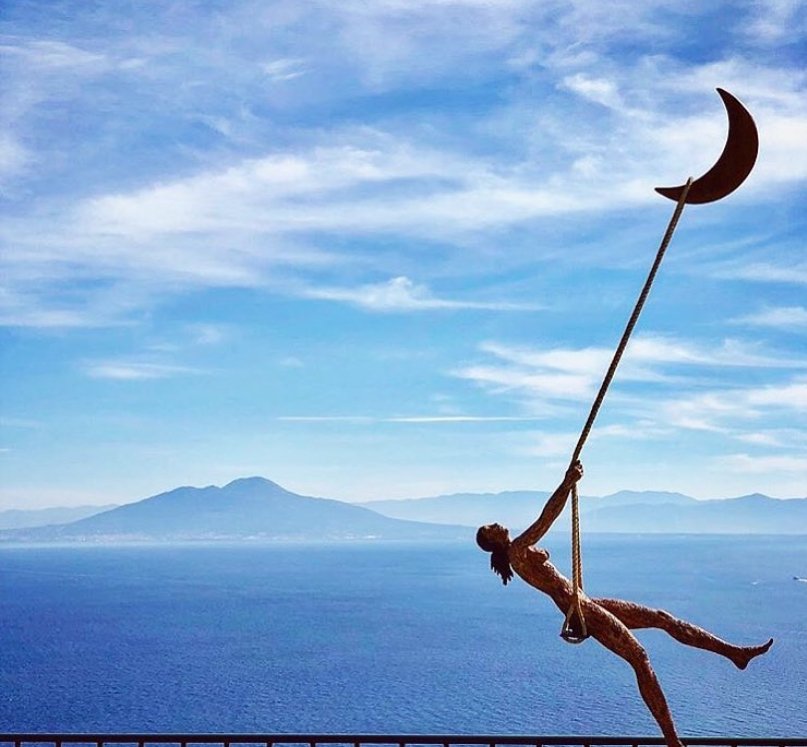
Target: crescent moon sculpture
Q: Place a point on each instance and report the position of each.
(735, 162)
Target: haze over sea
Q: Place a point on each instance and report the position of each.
(388, 637)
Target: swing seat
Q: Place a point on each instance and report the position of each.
(571, 636)
(574, 627)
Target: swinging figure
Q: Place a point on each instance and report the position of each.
(610, 621)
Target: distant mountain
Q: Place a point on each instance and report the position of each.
(625, 511)
(750, 514)
(248, 508)
(516, 508)
(21, 518)
(257, 509)
(643, 498)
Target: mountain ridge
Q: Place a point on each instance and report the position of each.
(623, 511)
(24, 518)
(247, 508)
(256, 508)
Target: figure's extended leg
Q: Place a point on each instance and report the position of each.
(615, 636)
(635, 616)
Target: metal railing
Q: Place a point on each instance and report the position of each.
(393, 740)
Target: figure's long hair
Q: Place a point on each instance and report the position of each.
(499, 556)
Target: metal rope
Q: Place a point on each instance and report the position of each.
(577, 559)
(637, 309)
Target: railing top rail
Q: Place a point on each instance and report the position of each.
(394, 739)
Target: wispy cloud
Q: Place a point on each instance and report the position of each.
(599, 90)
(158, 357)
(51, 54)
(207, 334)
(401, 294)
(14, 157)
(763, 464)
(170, 165)
(776, 20)
(286, 68)
(123, 370)
(781, 317)
(765, 272)
(726, 410)
(776, 437)
(405, 419)
(253, 199)
(547, 378)
(554, 444)
(574, 372)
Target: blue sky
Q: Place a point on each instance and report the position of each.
(385, 249)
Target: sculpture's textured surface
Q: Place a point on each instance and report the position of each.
(609, 621)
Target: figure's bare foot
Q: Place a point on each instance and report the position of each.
(745, 654)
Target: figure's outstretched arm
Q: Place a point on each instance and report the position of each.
(551, 510)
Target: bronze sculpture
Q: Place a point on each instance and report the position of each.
(609, 621)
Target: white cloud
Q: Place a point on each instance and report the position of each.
(763, 272)
(730, 410)
(14, 157)
(400, 295)
(782, 317)
(233, 216)
(374, 182)
(231, 220)
(31, 316)
(207, 334)
(780, 438)
(286, 68)
(122, 370)
(728, 352)
(792, 395)
(302, 148)
(585, 360)
(760, 439)
(561, 444)
(51, 54)
(696, 398)
(748, 463)
(598, 90)
(643, 358)
(541, 385)
(405, 419)
(775, 20)
(550, 445)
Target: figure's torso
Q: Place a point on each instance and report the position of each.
(532, 564)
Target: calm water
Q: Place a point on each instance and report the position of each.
(388, 638)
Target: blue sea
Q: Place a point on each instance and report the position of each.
(386, 637)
